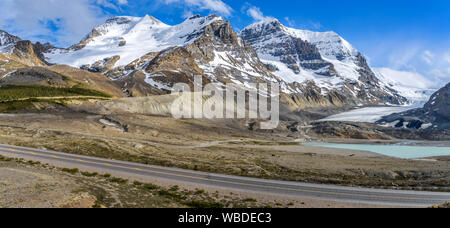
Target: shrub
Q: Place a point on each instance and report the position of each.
(151, 187)
(174, 188)
(71, 171)
(199, 192)
(87, 174)
(118, 180)
(250, 200)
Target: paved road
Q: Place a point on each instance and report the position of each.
(292, 189)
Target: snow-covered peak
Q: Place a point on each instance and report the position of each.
(330, 44)
(7, 41)
(145, 24)
(197, 19)
(131, 38)
(260, 26)
(274, 42)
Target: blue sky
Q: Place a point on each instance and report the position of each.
(407, 35)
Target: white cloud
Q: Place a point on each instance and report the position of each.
(415, 55)
(447, 58)
(428, 57)
(62, 22)
(289, 22)
(402, 58)
(113, 4)
(217, 6)
(256, 13)
(432, 64)
(440, 74)
(409, 79)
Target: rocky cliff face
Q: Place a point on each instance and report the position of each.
(439, 104)
(434, 115)
(16, 53)
(323, 58)
(29, 53)
(225, 57)
(270, 40)
(22, 50)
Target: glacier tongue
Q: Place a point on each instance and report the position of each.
(130, 38)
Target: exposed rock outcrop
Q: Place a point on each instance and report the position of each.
(434, 115)
(301, 56)
(102, 65)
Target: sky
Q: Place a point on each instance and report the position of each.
(403, 35)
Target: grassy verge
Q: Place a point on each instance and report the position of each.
(256, 164)
(36, 104)
(117, 192)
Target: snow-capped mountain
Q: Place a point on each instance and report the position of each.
(7, 42)
(130, 38)
(322, 57)
(138, 51)
(145, 56)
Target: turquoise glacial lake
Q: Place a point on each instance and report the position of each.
(398, 151)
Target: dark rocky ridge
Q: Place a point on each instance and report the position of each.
(434, 115)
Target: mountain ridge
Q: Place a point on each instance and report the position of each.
(334, 64)
(435, 114)
(125, 50)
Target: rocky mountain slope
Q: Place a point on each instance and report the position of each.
(16, 53)
(29, 83)
(144, 56)
(323, 58)
(434, 115)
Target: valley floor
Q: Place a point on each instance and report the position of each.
(217, 147)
